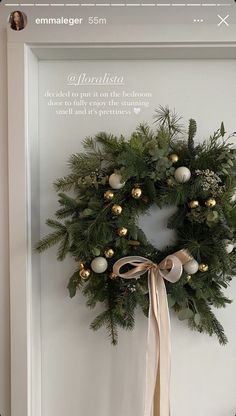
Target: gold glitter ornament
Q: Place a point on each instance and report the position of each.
(136, 193)
(193, 204)
(116, 209)
(203, 267)
(109, 253)
(84, 273)
(210, 203)
(122, 231)
(109, 195)
(174, 158)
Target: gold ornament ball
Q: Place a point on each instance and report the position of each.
(116, 209)
(112, 275)
(174, 158)
(203, 267)
(193, 204)
(122, 231)
(136, 193)
(210, 203)
(84, 273)
(109, 253)
(109, 195)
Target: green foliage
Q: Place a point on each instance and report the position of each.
(84, 225)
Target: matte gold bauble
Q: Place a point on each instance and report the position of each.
(203, 267)
(109, 253)
(174, 158)
(193, 204)
(109, 195)
(136, 193)
(112, 275)
(210, 203)
(84, 273)
(116, 209)
(122, 231)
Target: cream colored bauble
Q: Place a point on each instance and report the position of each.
(229, 246)
(191, 267)
(99, 264)
(233, 197)
(115, 181)
(182, 174)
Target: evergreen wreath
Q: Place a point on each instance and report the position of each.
(112, 183)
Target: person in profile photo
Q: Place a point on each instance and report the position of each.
(17, 20)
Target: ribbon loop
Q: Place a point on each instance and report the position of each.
(158, 351)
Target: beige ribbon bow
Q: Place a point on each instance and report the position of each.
(158, 353)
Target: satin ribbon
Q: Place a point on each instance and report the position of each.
(158, 353)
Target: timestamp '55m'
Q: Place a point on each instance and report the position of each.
(95, 20)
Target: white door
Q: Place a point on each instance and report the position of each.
(82, 374)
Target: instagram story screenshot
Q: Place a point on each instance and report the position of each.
(118, 208)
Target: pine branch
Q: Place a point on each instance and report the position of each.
(145, 132)
(99, 321)
(50, 240)
(66, 183)
(106, 318)
(165, 117)
(82, 164)
(75, 281)
(142, 300)
(64, 213)
(55, 224)
(64, 247)
(67, 201)
(209, 322)
(111, 144)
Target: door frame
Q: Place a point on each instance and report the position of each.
(24, 188)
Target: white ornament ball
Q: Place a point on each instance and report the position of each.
(115, 181)
(191, 267)
(233, 198)
(229, 246)
(182, 174)
(99, 264)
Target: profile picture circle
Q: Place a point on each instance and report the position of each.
(17, 20)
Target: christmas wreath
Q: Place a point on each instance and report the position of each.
(112, 183)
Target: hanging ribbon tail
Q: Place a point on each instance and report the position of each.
(158, 353)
